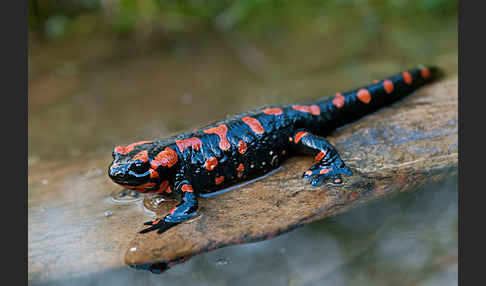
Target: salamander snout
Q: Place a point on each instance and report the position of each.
(117, 172)
(130, 173)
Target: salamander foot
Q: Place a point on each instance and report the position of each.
(318, 175)
(159, 224)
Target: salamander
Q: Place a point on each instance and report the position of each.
(251, 144)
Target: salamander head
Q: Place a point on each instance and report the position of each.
(135, 167)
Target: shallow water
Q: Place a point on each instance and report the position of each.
(88, 94)
(410, 239)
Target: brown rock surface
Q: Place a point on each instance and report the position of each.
(74, 226)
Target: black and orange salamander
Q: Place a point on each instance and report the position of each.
(251, 144)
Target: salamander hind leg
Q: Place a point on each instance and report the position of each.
(183, 211)
(329, 166)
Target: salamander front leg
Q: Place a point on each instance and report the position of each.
(183, 211)
(329, 166)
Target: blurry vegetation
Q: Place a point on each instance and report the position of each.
(58, 19)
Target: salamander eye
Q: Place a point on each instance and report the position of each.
(139, 167)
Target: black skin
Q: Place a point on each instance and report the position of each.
(285, 131)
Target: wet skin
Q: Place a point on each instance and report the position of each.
(250, 145)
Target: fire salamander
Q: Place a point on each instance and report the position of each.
(251, 144)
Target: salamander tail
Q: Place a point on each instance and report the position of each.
(345, 107)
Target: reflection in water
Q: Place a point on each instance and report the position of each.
(125, 196)
(408, 240)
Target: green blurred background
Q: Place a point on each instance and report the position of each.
(59, 19)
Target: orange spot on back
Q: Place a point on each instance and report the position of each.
(168, 158)
(338, 101)
(129, 148)
(388, 86)
(240, 168)
(193, 142)
(254, 124)
(312, 109)
(407, 77)
(219, 180)
(320, 155)
(242, 147)
(273, 111)
(221, 132)
(299, 136)
(308, 172)
(315, 110)
(425, 72)
(211, 163)
(187, 188)
(364, 95)
(142, 156)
